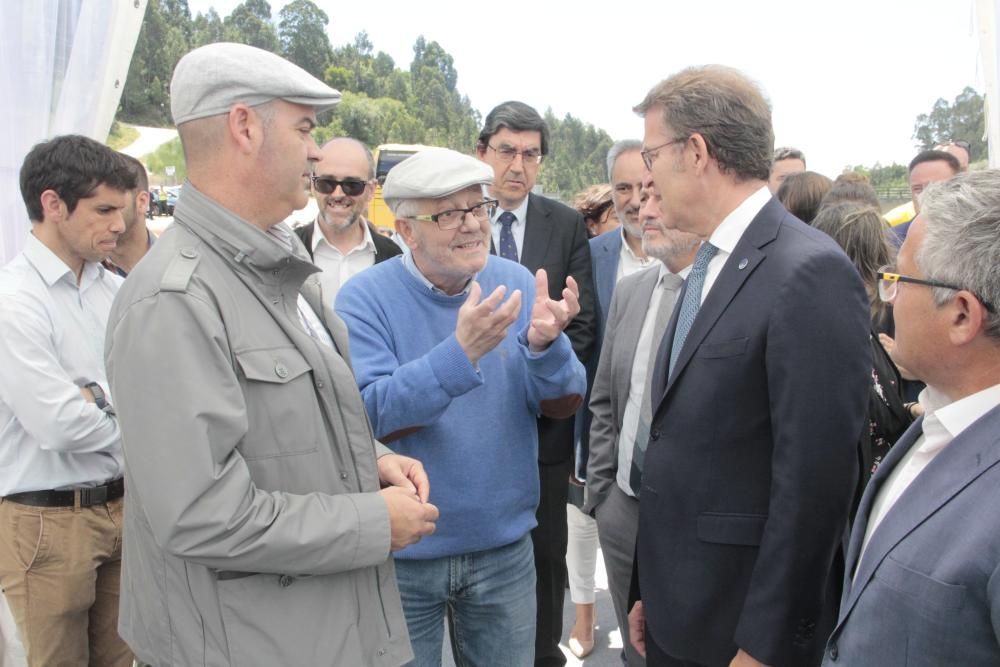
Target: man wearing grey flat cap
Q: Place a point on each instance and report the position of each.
(256, 531)
(455, 363)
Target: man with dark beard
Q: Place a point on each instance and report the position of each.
(343, 186)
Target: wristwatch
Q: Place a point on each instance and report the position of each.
(100, 398)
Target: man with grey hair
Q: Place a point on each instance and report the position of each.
(541, 232)
(255, 528)
(786, 161)
(346, 243)
(452, 373)
(620, 399)
(749, 473)
(924, 556)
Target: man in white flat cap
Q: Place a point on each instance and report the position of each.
(455, 363)
(256, 531)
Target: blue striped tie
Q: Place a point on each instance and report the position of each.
(692, 301)
(507, 249)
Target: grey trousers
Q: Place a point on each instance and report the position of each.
(617, 525)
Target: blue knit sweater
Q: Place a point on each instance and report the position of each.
(476, 433)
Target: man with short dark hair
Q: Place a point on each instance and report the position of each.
(346, 242)
(136, 240)
(922, 568)
(927, 167)
(540, 232)
(786, 161)
(748, 476)
(61, 481)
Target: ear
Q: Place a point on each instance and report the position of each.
(967, 318)
(699, 151)
(481, 151)
(53, 207)
(244, 127)
(142, 200)
(405, 229)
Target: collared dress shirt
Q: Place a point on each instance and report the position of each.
(943, 422)
(642, 363)
(516, 227)
(337, 266)
(628, 261)
(51, 344)
(729, 232)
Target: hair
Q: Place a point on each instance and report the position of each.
(962, 239)
(860, 230)
(593, 202)
(851, 187)
(726, 108)
(404, 208)
(516, 116)
(788, 153)
(934, 156)
(802, 193)
(139, 171)
(73, 166)
(617, 149)
(362, 146)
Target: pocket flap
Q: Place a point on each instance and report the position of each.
(727, 348)
(721, 528)
(276, 364)
(926, 589)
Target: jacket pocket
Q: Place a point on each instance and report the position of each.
(739, 529)
(728, 348)
(928, 592)
(283, 411)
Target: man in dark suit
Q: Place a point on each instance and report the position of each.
(346, 243)
(620, 403)
(762, 379)
(541, 233)
(922, 567)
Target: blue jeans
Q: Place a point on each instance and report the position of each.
(489, 598)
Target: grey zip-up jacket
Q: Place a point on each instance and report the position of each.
(253, 531)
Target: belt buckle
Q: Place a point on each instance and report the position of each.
(93, 496)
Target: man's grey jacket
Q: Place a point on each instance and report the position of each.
(253, 534)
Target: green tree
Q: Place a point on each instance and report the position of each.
(302, 34)
(576, 158)
(206, 29)
(144, 98)
(250, 23)
(962, 120)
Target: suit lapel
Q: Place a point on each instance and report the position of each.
(968, 456)
(537, 231)
(627, 335)
(605, 270)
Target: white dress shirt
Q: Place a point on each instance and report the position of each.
(337, 266)
(728, 234)
(516, 227)
(51, 344)
(628, 261)
(943, 422)
(642, 363)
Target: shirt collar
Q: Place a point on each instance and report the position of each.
(415, 271)
(728, 233)
(521, 213)
(52, 269)
(958, 415)
(627, 248)
(367, 243)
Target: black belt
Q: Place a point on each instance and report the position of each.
(96, 495)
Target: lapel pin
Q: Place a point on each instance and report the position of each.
(743, 264)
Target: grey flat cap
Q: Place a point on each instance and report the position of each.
(434, 173)
(214, 77)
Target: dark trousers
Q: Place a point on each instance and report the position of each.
(549, 540)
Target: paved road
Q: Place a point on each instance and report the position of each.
(150, 138)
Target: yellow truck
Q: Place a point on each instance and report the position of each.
(386, 157)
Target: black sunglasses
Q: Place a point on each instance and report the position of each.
(326, 185)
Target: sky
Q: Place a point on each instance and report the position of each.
(846, 79)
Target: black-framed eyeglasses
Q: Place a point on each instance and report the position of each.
(888, 283)
(454, 217)
(326, 185)
(650, 154)
(508, 153)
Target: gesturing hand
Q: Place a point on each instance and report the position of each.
(406, 473)
(409, 519)
(550, 317)
(482, 324)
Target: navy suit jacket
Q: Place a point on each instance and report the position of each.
(927, 591)
(555, 239)
(605, 251)
(752, 459)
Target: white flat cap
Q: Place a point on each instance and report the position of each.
(434, 173)
(214, 77)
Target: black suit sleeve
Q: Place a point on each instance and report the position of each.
(582, 331)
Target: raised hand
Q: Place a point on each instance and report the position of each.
(483, 324)
(550, 317)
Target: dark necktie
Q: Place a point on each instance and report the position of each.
(508, 248)
(668, 297)
(692, 301)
